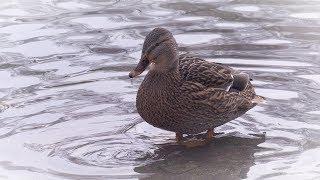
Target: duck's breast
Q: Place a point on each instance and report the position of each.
(157, 98)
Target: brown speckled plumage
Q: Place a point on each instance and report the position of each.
(187, 94)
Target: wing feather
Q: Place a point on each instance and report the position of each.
(219, 100)
(206, 73)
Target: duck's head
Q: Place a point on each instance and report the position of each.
(159, 50)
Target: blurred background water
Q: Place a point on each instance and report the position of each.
(68, 107)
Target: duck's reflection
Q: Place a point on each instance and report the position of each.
(226, 157)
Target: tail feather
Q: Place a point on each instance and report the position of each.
(258, 100)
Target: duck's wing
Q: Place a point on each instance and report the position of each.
(216, 88)
(208, 74)
(216, 75)
(216, 99)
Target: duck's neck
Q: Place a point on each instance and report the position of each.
(163, 76)
(160, 81)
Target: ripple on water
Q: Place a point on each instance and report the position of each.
(265, 69)
(103, 143)
(102, 22)
(277, 94)
(314, 112)
(259, 62)
(29, 109)
(73, 5)
(279, 123)
(9, 81)
(80, 37)
(41, 48)
(93, 108)
(60, 67)
(306, 167)
(189, 39)
(27, 31)
(314, 77)
(123, 40)
(102, 86)
(38, 121)
(306, 15)
(231, 25)
(191, 18)
(88, 77)
(158, 12)
(247, 8)
(13, 12)
(272, 41)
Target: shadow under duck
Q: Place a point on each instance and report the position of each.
(188, 95)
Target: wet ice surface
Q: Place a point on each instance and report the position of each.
(68, 108)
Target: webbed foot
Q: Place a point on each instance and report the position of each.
(195, 142)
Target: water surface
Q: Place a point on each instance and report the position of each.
(68, 107)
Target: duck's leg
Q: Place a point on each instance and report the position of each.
(179, 136)
(210, 135)
(190, 143)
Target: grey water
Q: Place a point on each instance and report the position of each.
(67, 106)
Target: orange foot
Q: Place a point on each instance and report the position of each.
(195, 142)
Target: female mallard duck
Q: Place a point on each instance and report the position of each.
(188, 95)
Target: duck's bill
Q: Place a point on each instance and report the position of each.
(142, 65)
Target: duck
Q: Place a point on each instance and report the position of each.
(186, 94)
